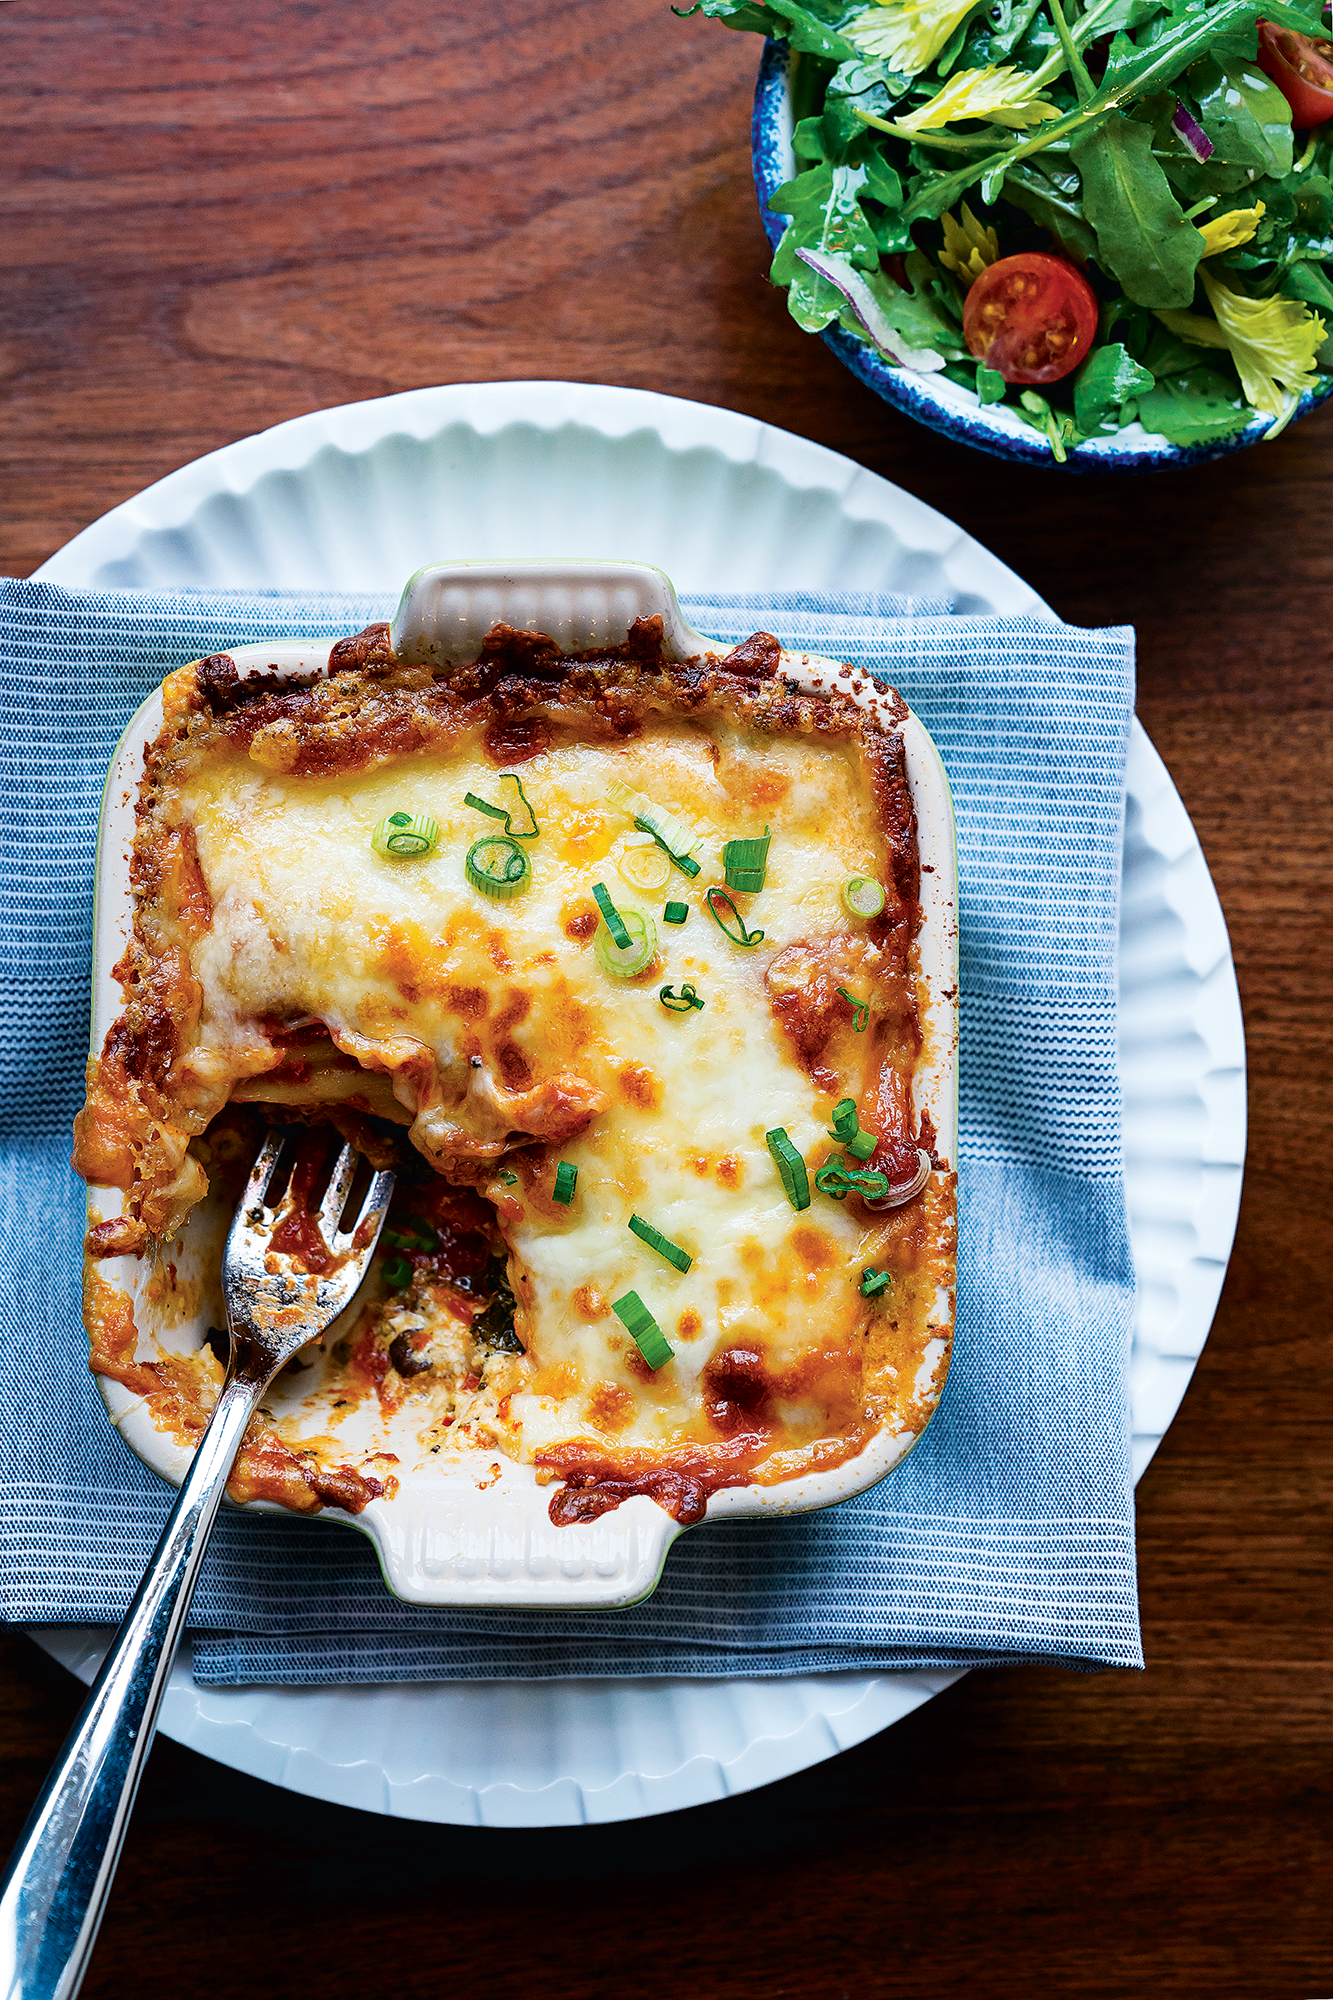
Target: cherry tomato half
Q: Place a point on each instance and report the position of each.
(1031, 317)
(1302, 71)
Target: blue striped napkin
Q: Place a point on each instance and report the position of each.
(1007, 1535)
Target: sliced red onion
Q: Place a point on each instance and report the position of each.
(894, 1197)
(1191, 134)
(847, 280)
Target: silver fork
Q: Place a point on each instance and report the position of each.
(60, 1874)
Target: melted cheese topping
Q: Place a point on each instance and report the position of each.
(494, 1021)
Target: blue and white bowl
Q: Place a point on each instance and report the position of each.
(947, 406)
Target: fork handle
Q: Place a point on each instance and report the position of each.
(60, 1874)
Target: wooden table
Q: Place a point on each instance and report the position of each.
(222, 216)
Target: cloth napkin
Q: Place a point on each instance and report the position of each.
(1006, 1535)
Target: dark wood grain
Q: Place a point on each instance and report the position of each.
(222, 216)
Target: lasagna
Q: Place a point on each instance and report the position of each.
(614, 956)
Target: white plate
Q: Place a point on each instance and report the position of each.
(354, 498)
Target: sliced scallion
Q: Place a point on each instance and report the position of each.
(860, 1009)
(738, 936)
(675, 913)
(403, 834)
(745, 863)
(845, 1121)
(642, 1328)
(662, 1244)
(520, 820)
(862, 896)
(839, 1181)
(639, 950)
(396, 1273)
(601, 895)
(683, 1003)
(566, 1180)
(671, 834)
(645, 868)
(523, 820)
(874, 1282)
(411, 1232)
(846, 1126)
(790, 1166)
(497, 866)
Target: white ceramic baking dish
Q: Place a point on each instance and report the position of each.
(481, 1535)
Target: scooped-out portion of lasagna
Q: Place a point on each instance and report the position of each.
(614, 955)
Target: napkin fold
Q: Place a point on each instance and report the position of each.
(1006, 1535)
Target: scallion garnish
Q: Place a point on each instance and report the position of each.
(746, 863)
(403, 834)
(506, 1179)
(566, 1180)
(396, 1273)
(662, 1244)
(643, 1329)
(839, 1181)
(497, 866)
(687, 1001)
(520, 820)
(638, 951)
(645, 868)
(740, 935)
(790, 1166)
(685, 862)
(671, 834)
(862, 896)
(601, 895)
(860, 1009)
(485, 806)
(411, 1232)
(846, 1126)
(675, 913)
(874, 1282)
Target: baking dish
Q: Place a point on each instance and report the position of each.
(457, 1537)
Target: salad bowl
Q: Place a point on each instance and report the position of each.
(943, 405)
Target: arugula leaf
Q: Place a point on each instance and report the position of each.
(859, 78)
(739, 14)
(1108, 379)
(826, 215)
(1143, 238)
(1308, 282)
(1049, 192)
(1244, 114)
(991, 385)
(1167, 354)
(1194, 407)
(811, 36)
(837, 136)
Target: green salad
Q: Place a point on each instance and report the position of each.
(1092, 213)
